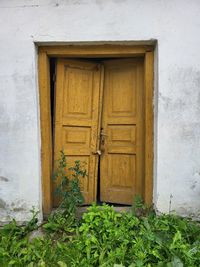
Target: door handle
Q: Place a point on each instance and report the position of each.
(98, 152)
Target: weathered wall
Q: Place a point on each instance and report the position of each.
(175, 24)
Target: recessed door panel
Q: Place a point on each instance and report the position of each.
(78, 92)
(121, 104)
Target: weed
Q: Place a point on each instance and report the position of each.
(69, 192)
(140, 209)
(68, 189)
(104, 238)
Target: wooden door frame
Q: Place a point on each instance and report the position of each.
(92, 51)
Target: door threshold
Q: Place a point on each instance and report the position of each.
(81, 210)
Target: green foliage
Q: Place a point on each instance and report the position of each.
(103, 238)
(12, 229)
(63, 220)
(68, 189)
(60, 223)
(139, 208)
(107, 238)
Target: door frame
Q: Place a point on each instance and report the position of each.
(92, 51)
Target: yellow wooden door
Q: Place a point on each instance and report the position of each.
(122, 134)
(77, 104)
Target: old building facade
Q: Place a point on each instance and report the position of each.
(170, 29)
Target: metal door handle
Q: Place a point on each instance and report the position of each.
(98, 152)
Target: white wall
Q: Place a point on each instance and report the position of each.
(176, 26)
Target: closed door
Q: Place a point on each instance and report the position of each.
(122, 136)
(77, 109)
(99, 107)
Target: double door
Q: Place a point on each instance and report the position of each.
(99, 119)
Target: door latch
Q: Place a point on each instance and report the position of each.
(102, 133)
(98, 152)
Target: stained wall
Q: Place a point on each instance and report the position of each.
(174, 24)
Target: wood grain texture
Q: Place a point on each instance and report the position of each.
(122, 162)
(46, 133)
(77, 104)
(149, 122)
(107, 50)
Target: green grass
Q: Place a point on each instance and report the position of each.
(103, 238)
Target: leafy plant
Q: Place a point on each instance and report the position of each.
(68, 189)
(13, 229)
(139, 208)
(104, 238)
(107, 238)
(61, 223)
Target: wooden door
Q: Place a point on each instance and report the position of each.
(77, 104)
(122, 133)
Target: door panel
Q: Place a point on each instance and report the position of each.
(122, 136)
(77, 104)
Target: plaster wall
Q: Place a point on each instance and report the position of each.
(174, 24)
